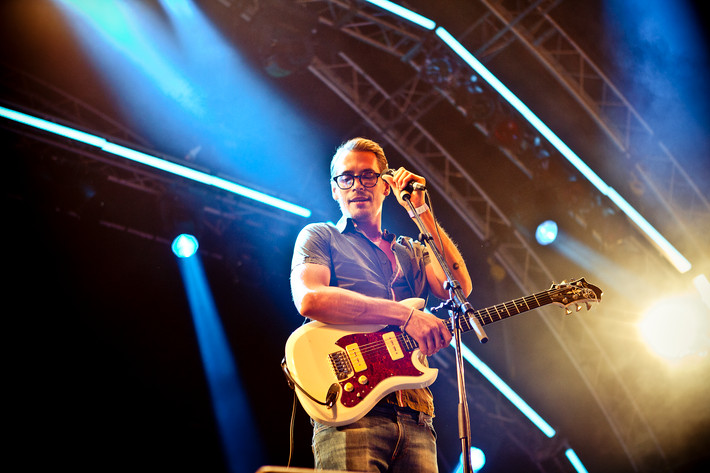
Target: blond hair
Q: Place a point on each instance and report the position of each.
(360, 144)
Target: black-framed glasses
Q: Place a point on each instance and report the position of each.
(367, 179)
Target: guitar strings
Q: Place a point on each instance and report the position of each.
(483, 315)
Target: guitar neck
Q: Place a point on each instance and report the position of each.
(494, 313)
(507, 309)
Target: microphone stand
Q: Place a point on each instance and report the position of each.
(458, 306)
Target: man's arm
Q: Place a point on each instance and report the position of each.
(435, 274)
(315, 299)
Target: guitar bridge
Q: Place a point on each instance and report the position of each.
(341, 365)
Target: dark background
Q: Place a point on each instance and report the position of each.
(103, 368)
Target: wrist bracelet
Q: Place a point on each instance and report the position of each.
(420, 210)
(404, 325)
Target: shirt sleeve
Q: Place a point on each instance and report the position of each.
(421, 253)
(414, 257)
(312, 245)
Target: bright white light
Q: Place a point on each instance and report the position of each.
(670, 252)
(574, 459)
(153, 161)
(478, 459)
(185, 245)
(51, 127)
(676, 328)
(546, 232)
(703, 286)
(404, 13)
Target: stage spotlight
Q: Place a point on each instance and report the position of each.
(438, 71)
(673, 255)
(478, 459)
(676, 328)
(703, 286)
(185, 245)
(546, 232)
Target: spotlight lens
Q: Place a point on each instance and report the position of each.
(185, 245)
(675, 328)
(478, 458)
(546, 232)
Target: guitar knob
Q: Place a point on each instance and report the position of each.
(349, 387)
(362, 379)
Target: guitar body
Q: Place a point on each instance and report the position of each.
(355, 366)
(363, 360)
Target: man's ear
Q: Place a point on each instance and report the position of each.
(334, 192)
(388, 188)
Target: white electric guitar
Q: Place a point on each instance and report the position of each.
(341, 371)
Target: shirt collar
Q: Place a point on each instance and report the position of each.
(348, 224)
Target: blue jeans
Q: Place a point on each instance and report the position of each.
(388, 439)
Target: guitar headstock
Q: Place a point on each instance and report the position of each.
(575, 293)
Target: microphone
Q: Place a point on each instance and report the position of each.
(411, 185)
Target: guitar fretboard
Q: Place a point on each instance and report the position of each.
(507, 309)
(492, 314)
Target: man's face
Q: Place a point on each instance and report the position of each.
(359, 202)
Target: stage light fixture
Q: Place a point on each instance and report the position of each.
(671, 253)
(674, 328)
(478, 460)
(702, 284)
(153, 161)
(185, 245)
(546, 232)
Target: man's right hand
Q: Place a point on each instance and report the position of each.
(429, 331)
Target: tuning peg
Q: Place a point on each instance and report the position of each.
(568, 311)
(578, 307)
(589, 306)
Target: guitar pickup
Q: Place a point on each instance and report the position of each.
(356, 358)
(393, 346)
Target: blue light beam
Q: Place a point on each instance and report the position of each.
(153, 161)
(231, 408)
(405, 13)
(506, 391)
(576, 462)
(670, 252)
(190, 90)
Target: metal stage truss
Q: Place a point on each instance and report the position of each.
(398, 117)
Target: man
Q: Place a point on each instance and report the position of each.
(354, 273)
